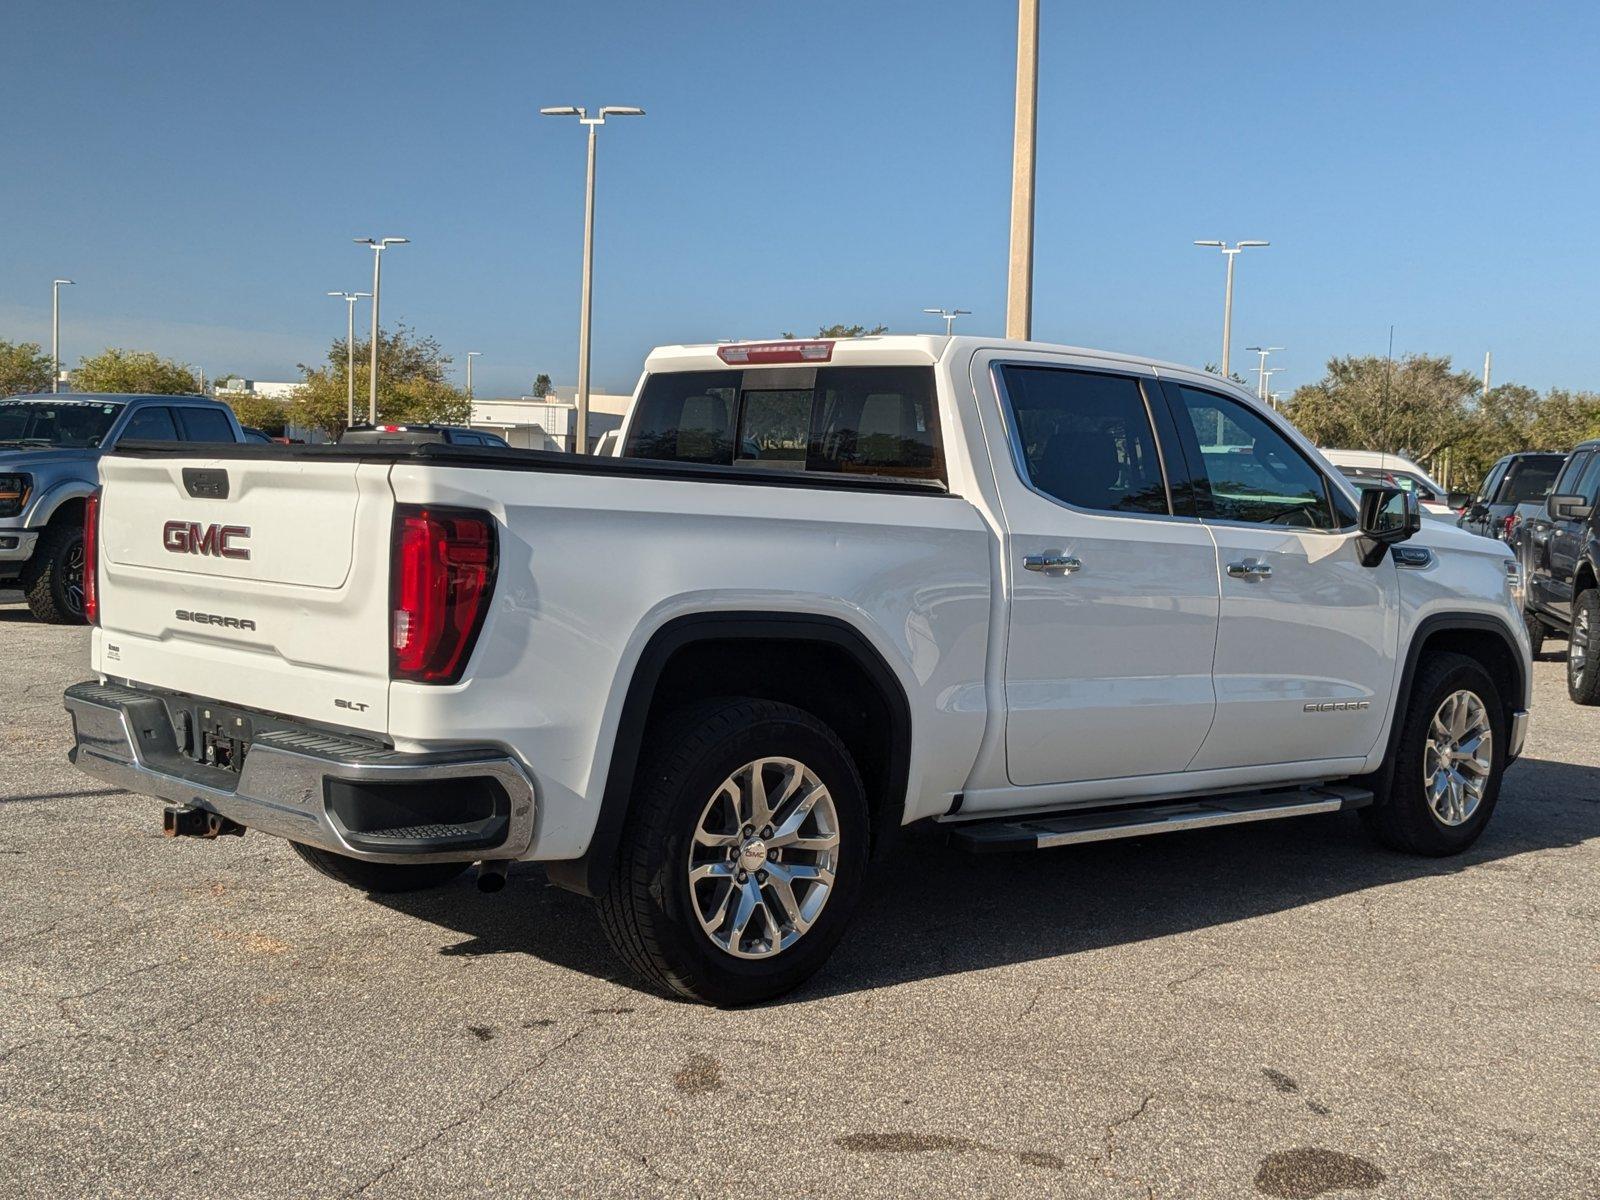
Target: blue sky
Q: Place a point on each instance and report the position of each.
(201, 168)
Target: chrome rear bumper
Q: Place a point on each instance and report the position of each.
(310, 786)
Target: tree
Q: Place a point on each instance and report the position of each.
(411, 384)
(1417, 406)
(848, 331)
(260, 412)
(115, 370)
(542, 386)
(1213, 369)
(24, 368)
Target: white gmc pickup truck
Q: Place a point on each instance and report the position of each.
(1027, 594)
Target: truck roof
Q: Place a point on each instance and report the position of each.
(900, 348)
(115, 397)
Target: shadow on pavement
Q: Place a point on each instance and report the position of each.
(931, 910)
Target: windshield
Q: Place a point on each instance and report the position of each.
(54, 423)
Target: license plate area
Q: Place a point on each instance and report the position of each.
(213, 735)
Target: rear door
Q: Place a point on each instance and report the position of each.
(1112, 583)
(261, 582)
(1306, 640)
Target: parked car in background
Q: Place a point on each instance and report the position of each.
(417, 435)
(1032, 594)
(1561, 552)
(258, 437)
(50, 448)
(1373, 468)
(1522, 478)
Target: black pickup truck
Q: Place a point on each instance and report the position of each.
(1516, 479)
(1561, 558)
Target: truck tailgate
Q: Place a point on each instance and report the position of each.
(263, 579)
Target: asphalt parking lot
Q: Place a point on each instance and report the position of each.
(1276, 1010)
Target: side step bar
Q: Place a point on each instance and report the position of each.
(1045, 830)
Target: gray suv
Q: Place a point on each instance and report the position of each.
(50, 448)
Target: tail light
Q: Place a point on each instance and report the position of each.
(442, 569)
(91, 558)
(1511, 522)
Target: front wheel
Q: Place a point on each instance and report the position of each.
(1537, 632)
(1448, 762)
(53, 578)
(1583, 667)
(743, 856)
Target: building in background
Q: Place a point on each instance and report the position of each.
(265, 388)
(547, 422)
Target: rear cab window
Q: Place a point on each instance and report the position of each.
(1528, 479)
(876, 421)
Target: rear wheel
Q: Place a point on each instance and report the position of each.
(1448, 762)
(743, 856)
(1537, 632)
(382, 878)
(1583, 667)
(53, 578)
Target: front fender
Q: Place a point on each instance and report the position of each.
(44, 503)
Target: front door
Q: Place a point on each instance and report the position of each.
(1113, 594)
(1567, 536)
(1307, 634)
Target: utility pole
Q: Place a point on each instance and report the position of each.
(1227, 296)
(1019, 284)
(55, 332)
(471, 354)
(1488, 359)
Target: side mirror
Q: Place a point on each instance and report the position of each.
(1388, 517)
(1568, 508)
(1460, 500)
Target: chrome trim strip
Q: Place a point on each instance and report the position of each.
(1519, 735)
(280, 789)
(1198, 820)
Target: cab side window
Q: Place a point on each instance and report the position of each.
(1588, 484)
(1086, 438)
(1567, 484)
(152, 424)
(1250, 472)
(205, 425)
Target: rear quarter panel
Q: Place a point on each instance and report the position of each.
(591, 567)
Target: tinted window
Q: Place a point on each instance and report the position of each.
(1529, 479)
(460, 438)
(1571, 471)
(1588, 484)
(1086, 438)
(1252, 472)
(150, 425)
(490, 439)
(866, 420)
(1492, 483)
(205, 425)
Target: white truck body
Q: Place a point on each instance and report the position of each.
(1175, 656)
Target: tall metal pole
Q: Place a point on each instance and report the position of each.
(372, 380)
(55, 333)
(581, 438)
(1019, 286)
(1227, 312)
(350, 360)
(1488, 359)
(471, 354)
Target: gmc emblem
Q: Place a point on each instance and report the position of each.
(187, 537)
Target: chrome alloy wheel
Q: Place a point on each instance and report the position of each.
(1578, 644)
(762, 859)
(1458, 757)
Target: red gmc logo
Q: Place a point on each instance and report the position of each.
(187, 537)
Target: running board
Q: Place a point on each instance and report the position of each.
(1102, 824)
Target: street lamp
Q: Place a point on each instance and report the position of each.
(949, 315)
(1227, 298)
(1261, 370)
(581, 441)
(471, 354)
(55, 332)
(350, 299)
(379, 245)
(1019, 269)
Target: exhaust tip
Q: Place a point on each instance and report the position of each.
(492, 875)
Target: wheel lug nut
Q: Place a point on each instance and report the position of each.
(748, 830)
(772, 855)
(767, 832)
(761, 876)
(741, 877)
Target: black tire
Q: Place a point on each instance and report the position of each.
(1537, 632)
(381, 878)
(1405, 820)
(648, 909)
(1583, 671)
(53, 578)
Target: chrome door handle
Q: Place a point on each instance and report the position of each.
(1250, 568)
(1064, 563)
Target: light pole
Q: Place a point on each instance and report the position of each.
(471, 354)
(379, 245)
(1261, 370)
(1019, 282)
(55, 332)
(1227, 297)
(350, 299)
(581, 441)
(949, 315)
